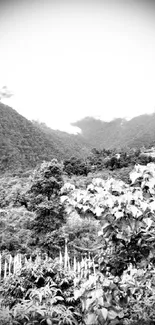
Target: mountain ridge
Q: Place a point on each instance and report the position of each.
(24, 143)
(118, 133)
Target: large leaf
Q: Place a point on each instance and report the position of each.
(104, 313)
(112, 314)
(91, 319)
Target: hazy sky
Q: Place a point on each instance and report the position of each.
(65, 60)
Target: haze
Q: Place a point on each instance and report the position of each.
(65, 60)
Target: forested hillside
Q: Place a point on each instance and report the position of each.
(68, 144)
(24, 144)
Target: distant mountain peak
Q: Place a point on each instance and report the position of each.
(119, 132)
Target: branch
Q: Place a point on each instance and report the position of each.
(88, 249)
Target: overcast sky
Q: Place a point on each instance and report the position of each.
(65, 60)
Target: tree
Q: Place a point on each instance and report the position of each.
(44, 199)
(47, 180)
(76, 166)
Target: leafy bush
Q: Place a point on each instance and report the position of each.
(15, 229)
(41, 293)
(126, 214)
(76, 166)
(25, 229)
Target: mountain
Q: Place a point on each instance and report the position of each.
(24, 144)
(69, 144)
(137, 132)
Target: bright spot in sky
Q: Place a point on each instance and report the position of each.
(66, 60)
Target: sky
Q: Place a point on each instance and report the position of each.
(65, 60)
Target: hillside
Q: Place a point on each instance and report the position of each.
(69, 144)
(138, 132)
(24, 144)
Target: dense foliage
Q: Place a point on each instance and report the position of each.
(123, 211)
(40, 294)
(112, 219)
(76, 166)
(117, 159)
(32, 209)
(125, 283)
